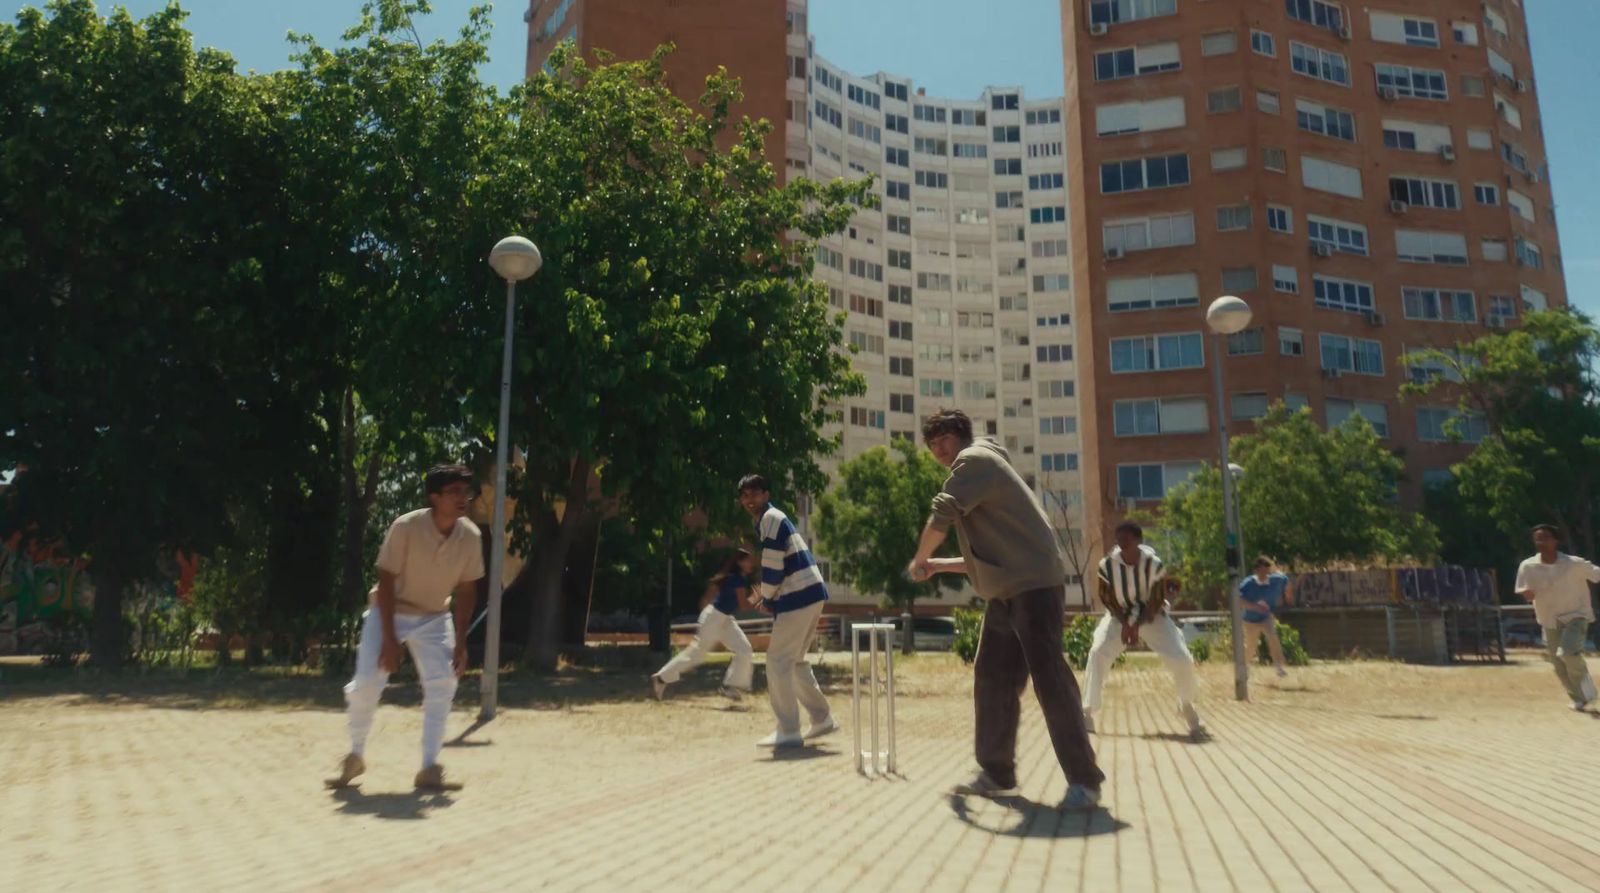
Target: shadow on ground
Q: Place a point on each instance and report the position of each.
(1025, 818)
(406, 805)
(570, 688)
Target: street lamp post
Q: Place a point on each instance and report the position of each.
(514, 259)
(1225, 316)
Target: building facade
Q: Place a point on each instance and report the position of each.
(1370, 179)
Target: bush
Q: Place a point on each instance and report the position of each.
(969, 623)
(66, 639)
(1079, 638)
(1200, 649)
(1294, 651)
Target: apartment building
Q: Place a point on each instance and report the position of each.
(1371, 179)
(957, 289)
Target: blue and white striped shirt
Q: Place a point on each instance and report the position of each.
(790, 579)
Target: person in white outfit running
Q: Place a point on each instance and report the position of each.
(1558, 586)
(792, 590)
(428, 568)
(1134, 588)
(728, 590)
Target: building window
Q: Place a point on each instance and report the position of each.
(866, 418)
(1439, 304)
(1008, 199)
(1425, 193)
(933, 114)
(1421, 32)
(1001, 102)
(1007, 167)
(1285, 279)
(1158, 353)
(1323, 65)
(1224, 100)
(900, 294)
(902, 403)
(1348, 238)
(969, 117)
(1341, 411)
(1324, 120)
(1246, 343)
(1425, 247)
(1473, 85)
(1233, 218)
(1156, 172)
(1267, 101)
(1291, 343)
(1127, 62)
(1048, 214)
(1036, 117)
(1262, 44)
(1400, 139)
(1153, 292)
(1052, 282)
(1053, 353)
(899, 259)
(1218, 43)
(897, 189)
(1528, 254)
(936, 387)
(1153, 481)
(1318, 13)
(1110, 12)
(1170, 415)
(1230, 159)
(1057, 389)
(897, 123)
(1502, 308)
(1342, 294)
(1416, 83)
(1162, 231)
(1274, 159)
(900, 157)
(1248, 407)
(1280, 219)
(1357, 355)
(1049, 248)
(1046, 181)
(897, 223)
(1007, 133)
(1058, 424)
(1238, 279)
(1049, 462)
(1438, 425)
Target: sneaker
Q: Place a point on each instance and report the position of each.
(1190, 716)
(1589, 693)
(731, 693)
(1580, 706)
(984, 786)
(432, 779)
(1080, 798)
(352, 766)
(826, 727)
(1088, 722)
(658, 686)
(781, 739)
(1282, 672)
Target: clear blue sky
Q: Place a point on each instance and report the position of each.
(957, 47)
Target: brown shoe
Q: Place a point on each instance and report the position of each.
(352, 766)
(432, 779)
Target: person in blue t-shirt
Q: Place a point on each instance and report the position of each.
(727, 592)
(1261, 593)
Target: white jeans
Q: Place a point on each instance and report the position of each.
(790, 682)
(716, 628)
(432, 641)
(1163, 637)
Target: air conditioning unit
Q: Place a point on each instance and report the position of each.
(1388, 94)
(1115, 252)
(1448, 153)
(1098, 29)
(1522, 86)
(1495, 322)
(1322, 249)
(1375, 319)
(1344, 33)
(1398, 207)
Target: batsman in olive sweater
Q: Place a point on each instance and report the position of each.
(1009, 551)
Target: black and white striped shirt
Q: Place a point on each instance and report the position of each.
(1132, 585)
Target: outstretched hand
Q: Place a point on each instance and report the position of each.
(919, 571)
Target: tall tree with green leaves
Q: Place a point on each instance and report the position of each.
(868, 523)
(1531, 394)
(674, 339)
(133, 175)
(1308, 497)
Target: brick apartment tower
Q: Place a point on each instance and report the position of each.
(751, 38)
(1371, 179)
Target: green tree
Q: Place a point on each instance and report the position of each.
(868, 524)
(674, 339)
(1532, 396)
(132, 176)
(1308, 497)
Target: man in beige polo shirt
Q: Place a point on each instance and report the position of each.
(427, 557)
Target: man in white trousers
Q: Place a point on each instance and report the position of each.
(729, 590)
(1558, 586)
(792, 590)
(427, 556)
(1134, 588)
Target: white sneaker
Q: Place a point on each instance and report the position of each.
(1080, 798)
(781, 739)
(1192, 717)
(982, 785)
(659, 686)
(731, 693)
(1088, 722)
(1580, 706)
(826, 727)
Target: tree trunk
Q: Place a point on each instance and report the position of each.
(544, 632)
(577, 583)
(108, 641)
(355, 516)
(908, 642)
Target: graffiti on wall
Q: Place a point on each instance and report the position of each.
(39, 581)
(1447, 586)
(1343, 589)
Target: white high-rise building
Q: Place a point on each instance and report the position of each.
(957, 289)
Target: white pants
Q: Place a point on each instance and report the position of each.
(790, 682)
(716, 628)
(432, 641)
(1161, 635)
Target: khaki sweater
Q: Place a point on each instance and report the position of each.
(1006, 539)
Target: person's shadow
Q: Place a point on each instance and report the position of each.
(397, 805)
(1025, 818)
